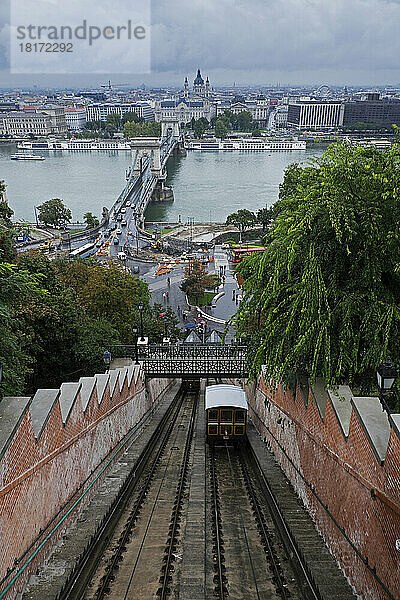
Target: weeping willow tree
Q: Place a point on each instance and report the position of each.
(325, 296)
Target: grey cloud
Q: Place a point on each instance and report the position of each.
(306, 34)
(270, 40)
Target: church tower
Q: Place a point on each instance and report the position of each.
(207, 89)
(186, 88)
(198, 85)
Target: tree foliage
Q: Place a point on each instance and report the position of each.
(7, 251)
(131, 117)
(325, 296)
(197, 281)
(151, 129)
(54, 212)
(57, 318)
(17, 286)
(91, 220)
(265, 216)
(199, 126)
(242, 219)
(221, 129)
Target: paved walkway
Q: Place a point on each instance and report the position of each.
(225, 306)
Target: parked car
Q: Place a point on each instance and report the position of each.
(124, 223)
(118, 232)
(116, 241)
(123, 210)
(119, 217)
(128, 203)
(135, 270)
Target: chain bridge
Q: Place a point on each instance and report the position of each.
(186, 361)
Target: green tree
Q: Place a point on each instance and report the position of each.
(200, 126)
(265, 217)
(325, 297)
(114, 120)
(54, 212)
(90, 220)
(131, 117)
(197, 281)
(5, 211)
(256, 132)
(242, 219)
(198, 129)
(17, 286)
(220, 130)
(94, 125)
(7, 251)
(151, 129)
(243, 121)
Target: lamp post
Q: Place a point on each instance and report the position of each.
(135, 341)
(386, 374)
(141, 307)
(1, 379)
(107, 359)
(164, 316)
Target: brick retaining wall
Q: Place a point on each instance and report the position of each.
(53, 443)
(342, 455)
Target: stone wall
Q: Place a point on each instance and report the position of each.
(55, 445)
(342, 455)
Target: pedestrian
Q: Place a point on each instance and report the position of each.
(178, 308)
(168, 281)
(184, 315)
(233, 294)
(167, 295)
(164, 297)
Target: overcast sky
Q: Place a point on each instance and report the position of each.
(340, 42)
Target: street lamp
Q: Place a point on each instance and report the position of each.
(386, 374)
(141, 307)
(107, 359)
(164, 316)
(135, 341)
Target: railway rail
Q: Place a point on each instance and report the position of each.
(248, 554)
(140, 477)
(139, 551)
(141, 555)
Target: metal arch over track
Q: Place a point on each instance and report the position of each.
(180, 360)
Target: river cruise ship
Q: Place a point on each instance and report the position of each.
(22, 156)
(74, 144)
(246, 144)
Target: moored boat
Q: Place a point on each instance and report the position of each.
(22, 156)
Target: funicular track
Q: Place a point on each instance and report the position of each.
(249, 557)
(104, 563)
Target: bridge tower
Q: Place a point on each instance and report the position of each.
(146, 153)
(168, 128)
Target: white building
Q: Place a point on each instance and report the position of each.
(57, 118)
(183, 110)
(100, 110)
(281, 116)
(75, 118)
(21, 123)
(315, 114)
(259, 108)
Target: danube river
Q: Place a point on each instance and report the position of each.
(207, 185)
